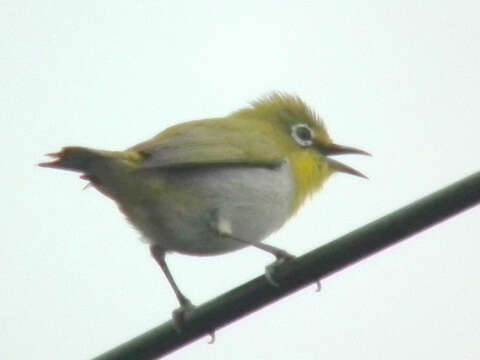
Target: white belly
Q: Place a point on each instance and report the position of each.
(197, 204)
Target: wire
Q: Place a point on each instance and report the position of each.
(304, 270)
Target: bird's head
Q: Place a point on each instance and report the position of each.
(301, 131)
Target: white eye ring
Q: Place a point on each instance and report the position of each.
(302, 134)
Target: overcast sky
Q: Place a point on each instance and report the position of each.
(400, 79)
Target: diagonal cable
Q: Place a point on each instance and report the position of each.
(304, 270)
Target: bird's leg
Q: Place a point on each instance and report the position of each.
(281, 257)
(186, 306)
(223, 228)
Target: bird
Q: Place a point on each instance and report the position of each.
(212, 186)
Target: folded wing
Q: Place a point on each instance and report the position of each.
(213, 142)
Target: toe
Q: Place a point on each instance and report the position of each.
(270, 275)
(180, 315)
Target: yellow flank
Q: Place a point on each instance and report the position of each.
(310, 171)
(132, 157)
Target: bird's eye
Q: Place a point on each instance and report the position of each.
(302, 134)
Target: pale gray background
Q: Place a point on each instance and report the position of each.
(400, 79)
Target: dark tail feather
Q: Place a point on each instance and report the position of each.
(75, 158)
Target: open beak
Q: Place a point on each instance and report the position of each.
(334, 149)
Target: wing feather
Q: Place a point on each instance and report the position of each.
(220, 141)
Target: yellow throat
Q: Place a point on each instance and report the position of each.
(300, 137)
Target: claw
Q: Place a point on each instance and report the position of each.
(212, 337)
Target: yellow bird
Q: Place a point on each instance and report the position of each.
(211, 186)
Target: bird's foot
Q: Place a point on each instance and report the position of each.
(180, 315)
(282, 257)
(183, 313)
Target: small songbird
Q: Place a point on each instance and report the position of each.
(211, 186)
